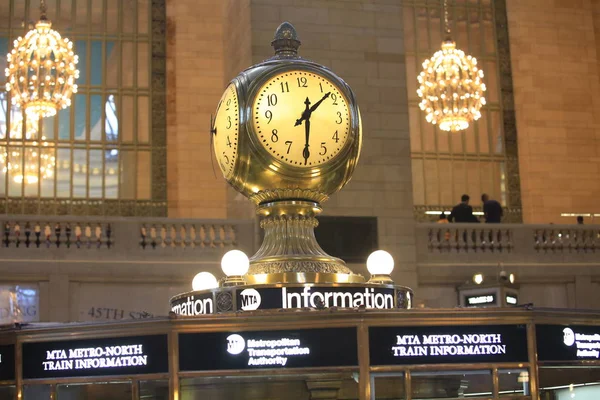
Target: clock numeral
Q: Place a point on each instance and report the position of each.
(269, 114)
(274, 137)
(289, 143)
(284, 87)
(228, 142)
(272, 99)
(228, 122)
(302, 81)
(334, 98)
(323, 148)
(228, 104)
(321, 86)
(336, 137)
(339, 120)
(226, 159)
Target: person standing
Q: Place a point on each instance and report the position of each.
(580, 220)
(462, 212)
(492, 210)
(442, 219)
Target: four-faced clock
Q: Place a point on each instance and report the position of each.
(226, 131)
(301, 118)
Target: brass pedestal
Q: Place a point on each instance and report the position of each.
(290, 252)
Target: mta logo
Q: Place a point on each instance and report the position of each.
(250, 299)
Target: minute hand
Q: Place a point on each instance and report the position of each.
(318, 103)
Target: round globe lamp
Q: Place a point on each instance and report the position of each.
(380, 265)
(204, 281)
(235, 265)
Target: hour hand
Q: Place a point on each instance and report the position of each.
(305, 114)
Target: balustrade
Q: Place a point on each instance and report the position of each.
(27, 233)
(129, 237)
(165, 238)
(508, 238)
(187, 235)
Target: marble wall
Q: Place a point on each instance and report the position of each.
(195, 82)
(555, 62)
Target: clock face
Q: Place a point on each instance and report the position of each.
(226, 130)
(301, 118)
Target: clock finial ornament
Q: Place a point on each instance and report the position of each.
(286, 41)
(289, 136)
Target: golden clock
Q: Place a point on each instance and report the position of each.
(301, 118)
(287, 135)
(226, 131)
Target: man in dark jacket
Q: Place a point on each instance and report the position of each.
(492, 210)
(462, 212)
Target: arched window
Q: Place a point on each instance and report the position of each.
(446, 165)
(100, 155)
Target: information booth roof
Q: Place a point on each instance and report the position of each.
(317, 318)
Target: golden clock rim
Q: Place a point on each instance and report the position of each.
(302, 171)
(229, 174)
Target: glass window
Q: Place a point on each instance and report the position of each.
(305, 387)
(36, 392)
(451, 384)
(94, 391)
(513, 382)
(570, 383)
(388, 386)
(451, 164)
(154, 390)
(19, 303)
(91, 150)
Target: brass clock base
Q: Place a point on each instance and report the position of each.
(302, 277)
(290, 252)
(278, 195)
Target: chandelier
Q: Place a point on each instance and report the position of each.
(27, 163)
(41, 70)
(450, 86)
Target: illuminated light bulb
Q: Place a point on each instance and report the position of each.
(43, 49)
(26, 164)
(235, 264)
(478, 279)
(204, 281)
(380, 265)
(456, 76)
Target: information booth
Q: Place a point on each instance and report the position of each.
(310, 354)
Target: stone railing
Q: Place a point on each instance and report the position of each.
(452, 253)
(517, 244)
(453, 238)
(128, 237)
(39, 233)
(188, 235)
(508, 238)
